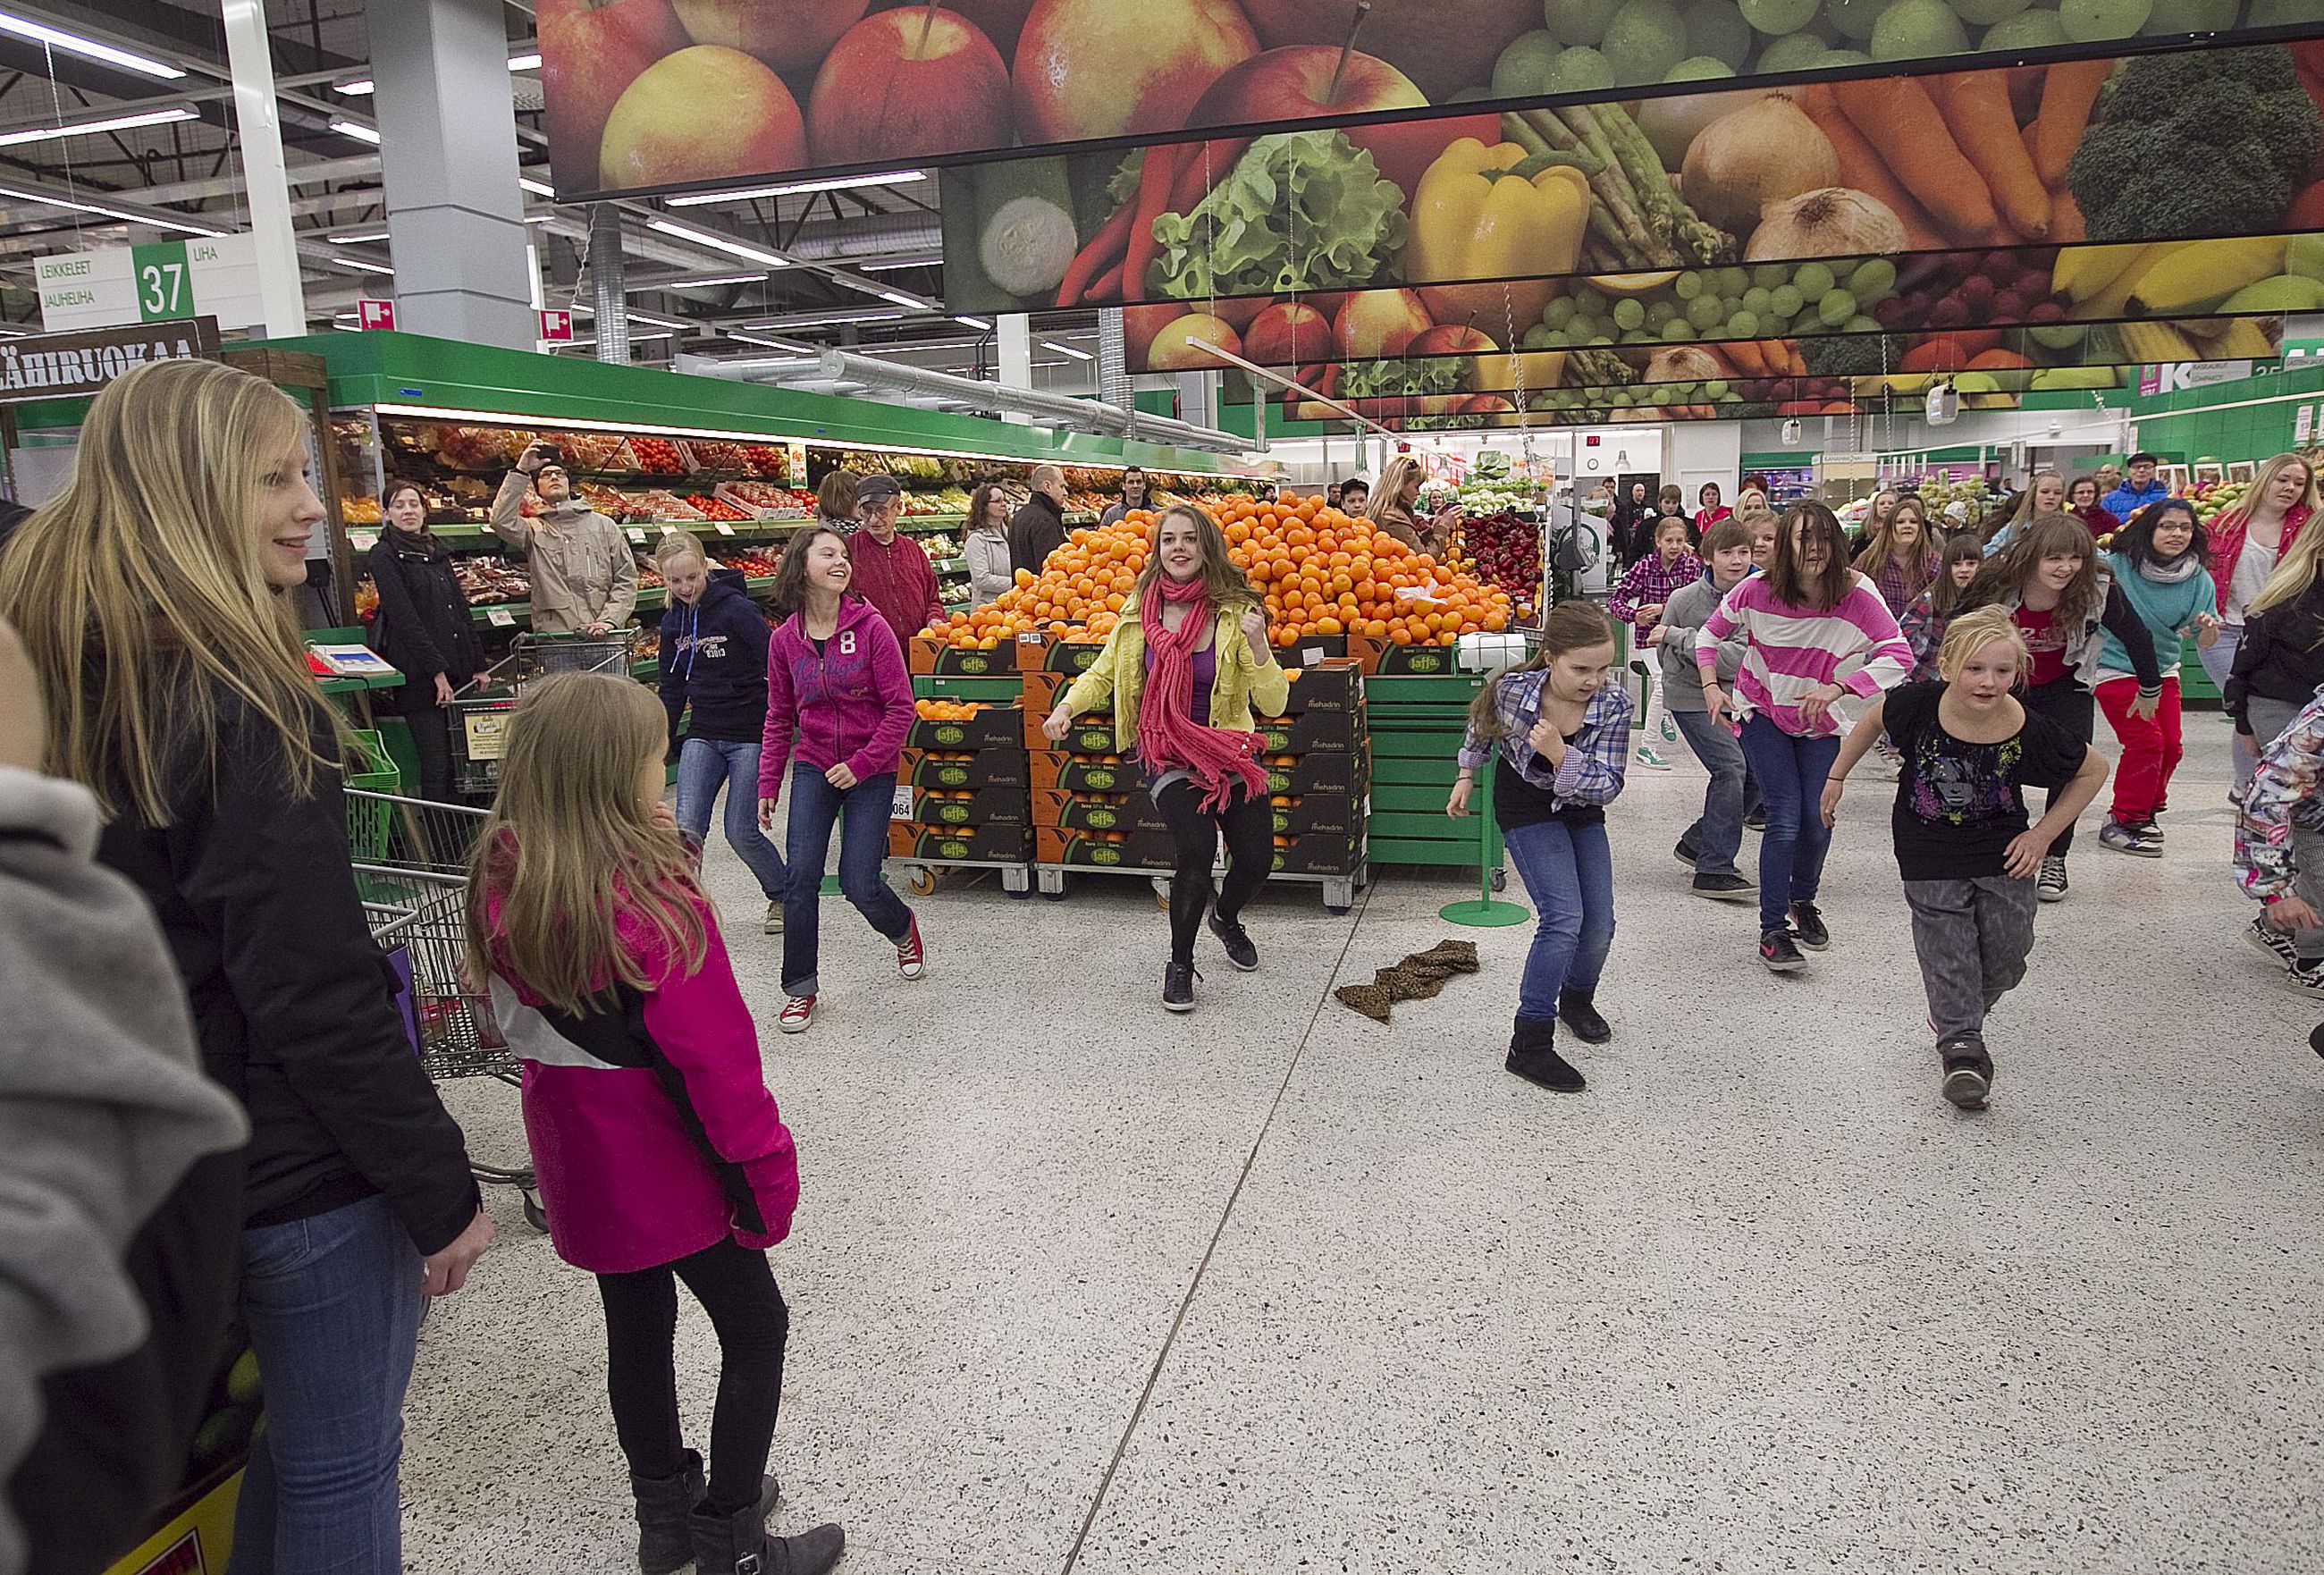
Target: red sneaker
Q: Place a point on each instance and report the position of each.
(909, 960)
(798, 1011)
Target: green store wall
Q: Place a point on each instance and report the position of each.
(2223, 421)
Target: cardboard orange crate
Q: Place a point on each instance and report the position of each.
(926, 655)
(1102, 849)
(1318, 853)
(959, 807)
(1003, 843)
(1097, 812)
(1328, 813)
(1391, 660)
(1321, 771)
(1054, 768)
(1335, 685)
(990, 727)
(956, 769)
(1049, 654)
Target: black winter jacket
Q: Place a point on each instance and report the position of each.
(423, 627)
(714, 656)
(1035, 531)
(292, 1000)
(2282, 657)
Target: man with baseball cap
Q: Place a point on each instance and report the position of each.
(891, 571)
(584, 580)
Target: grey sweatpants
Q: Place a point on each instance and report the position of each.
(1972, 937)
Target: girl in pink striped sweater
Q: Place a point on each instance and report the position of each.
(1803, 620)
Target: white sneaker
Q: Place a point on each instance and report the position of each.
(2306, 979)
(1646, 760)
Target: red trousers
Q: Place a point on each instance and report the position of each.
(2150, 748)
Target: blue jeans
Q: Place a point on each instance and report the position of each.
(333, 1303)
(1732, 793)
(704, 765)
(1568, 871)
(815, 806)
(1791, 773)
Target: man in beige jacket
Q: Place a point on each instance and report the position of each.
(584, 579)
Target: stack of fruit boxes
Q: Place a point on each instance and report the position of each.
(963, 786)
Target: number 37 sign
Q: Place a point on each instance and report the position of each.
(213, 277)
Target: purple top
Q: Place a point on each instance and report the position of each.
(1206, 678)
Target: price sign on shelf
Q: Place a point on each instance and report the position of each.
(363, 541)
(500, 618)
(900, 807)
(637, 536)
(214, 276)
(724, 528)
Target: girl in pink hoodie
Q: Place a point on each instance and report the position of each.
(660, 1155)
(835, 679)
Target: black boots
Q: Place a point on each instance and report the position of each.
(1533, 1056)
(740, 1544)
(1577, 1009)
(665, 1504)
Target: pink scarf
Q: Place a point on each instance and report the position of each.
(1167, 734)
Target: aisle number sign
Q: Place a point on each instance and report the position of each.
(166, 281)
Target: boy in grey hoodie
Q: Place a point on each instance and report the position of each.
(1711, 844)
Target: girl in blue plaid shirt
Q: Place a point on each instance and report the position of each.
(1557, 730)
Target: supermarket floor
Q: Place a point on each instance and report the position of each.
(1079, 1287)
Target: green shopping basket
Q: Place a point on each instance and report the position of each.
(369, 769)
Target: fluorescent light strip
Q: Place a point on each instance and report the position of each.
(21, 195)
(362, 134)
(894, 264)
(753, 339)
(363, 87)
(362, 238)
(979, 324)
(1067, 350)
(88, 48)
(718, 243)
(827, 319)
(583, 424)
(799, 187)
(358, 262)
(692, 281)
(659, 322)
(538, 188)
(902, 300)
(49, 133)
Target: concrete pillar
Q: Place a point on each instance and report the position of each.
(447, 154)
(612, 321)
(1015, 332)
(258, 131)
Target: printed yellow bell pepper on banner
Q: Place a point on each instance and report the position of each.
(1490, 212)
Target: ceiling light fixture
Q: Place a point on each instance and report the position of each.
(362, 134)
(718, 243)
(22, 194)
(538, 188)
(527, 61)
(49, 133)
(892, 264)
(692, 281)
(799, 187)
(363, 238)
(902, 300)
(358, 262)
(755, 339)
(88, 48)
(826, 319)
(363, 87)
(979, 324)
(1067, 350)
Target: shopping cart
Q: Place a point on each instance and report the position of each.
(410, 863)
(480, 712)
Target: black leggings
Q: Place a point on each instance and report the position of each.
(2065, 702)
(737, 1289)
(1249, 826)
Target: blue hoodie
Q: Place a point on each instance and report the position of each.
(714, 657)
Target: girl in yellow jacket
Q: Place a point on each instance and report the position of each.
(1182, 669)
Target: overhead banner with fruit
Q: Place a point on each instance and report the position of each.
(1485, 215)
(654, 95)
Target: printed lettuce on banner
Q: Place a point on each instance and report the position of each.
(647, 95)
(1484, 215)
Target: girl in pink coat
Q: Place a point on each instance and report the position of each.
(661, 1157)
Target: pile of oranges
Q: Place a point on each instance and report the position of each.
(1320, 572)
(945, 710)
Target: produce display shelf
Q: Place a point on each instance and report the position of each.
(1339, 892)
(1417, 725)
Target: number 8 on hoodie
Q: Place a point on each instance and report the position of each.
(839, 705)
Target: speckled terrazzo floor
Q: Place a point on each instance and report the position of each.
(1079, 1287)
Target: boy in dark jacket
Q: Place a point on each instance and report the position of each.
(714, 659)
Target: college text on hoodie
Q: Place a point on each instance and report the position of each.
(581, 568)
(713, 658)
(851, 701)
(652, 1132)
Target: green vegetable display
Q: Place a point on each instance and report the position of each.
(2234, 126)
(1300, 211)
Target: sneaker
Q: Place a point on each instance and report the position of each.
(1179, 987)
(2050, 886)
(1670, 731)
(2271, 941)
(1967, 1071)
(774, 925)
(1724, 888)
(1754, 820)
(1232, 937)
(910, 961)
(1808, 926)
(2306, 977)
(2146, 828)
(2124, 838)
(1648, 759)
(798, 1011)
(1684, 852)
(1780, 951)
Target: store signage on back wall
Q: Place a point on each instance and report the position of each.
(652, 94)
(161, 282)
